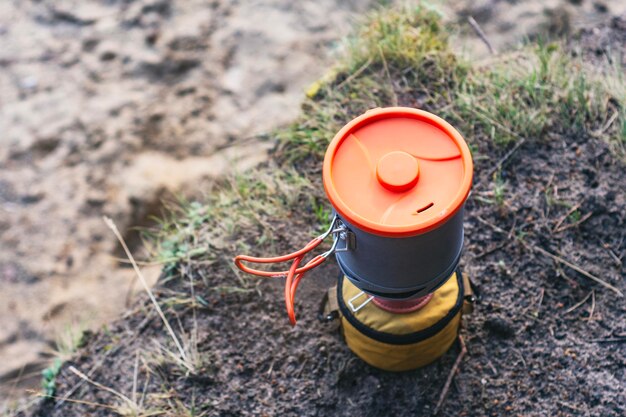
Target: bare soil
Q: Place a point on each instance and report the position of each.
(544, 340)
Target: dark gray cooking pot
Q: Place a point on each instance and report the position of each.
(400, 268)
(398, 179)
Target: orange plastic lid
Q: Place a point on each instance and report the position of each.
(397, 171)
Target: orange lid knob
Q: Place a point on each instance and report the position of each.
(397, 171)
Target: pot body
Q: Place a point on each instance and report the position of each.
(401, 267)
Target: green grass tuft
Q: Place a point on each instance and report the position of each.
(49, 378)
(234, 217)
(531, 94)
(402, 38)
(395, 54)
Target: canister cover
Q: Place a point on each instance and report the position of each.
(397, 171)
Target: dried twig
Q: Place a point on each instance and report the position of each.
(393, 91)
(570, 406)
(617, 259)
(99, 385)
(578, 304)
(143, 281)
(593, 304)
(491, 250)
(555, 258)
(71, 400)
(609, 340)
(519, 353)
(91, 372)
(561, 273)
(474, 24)
(576, 224)
(575, 268)
(540, 300)
(562, 219)
(453, 371)
(355, 74)
(598, 133)
(135, 375)
(506, 157)
(491, 225)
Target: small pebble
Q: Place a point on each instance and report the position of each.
(29, 83)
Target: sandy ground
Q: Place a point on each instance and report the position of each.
(107, 107)
(509, 22)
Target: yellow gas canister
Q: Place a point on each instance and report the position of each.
(401, 341)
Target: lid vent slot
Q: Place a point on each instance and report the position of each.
(426, 207)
